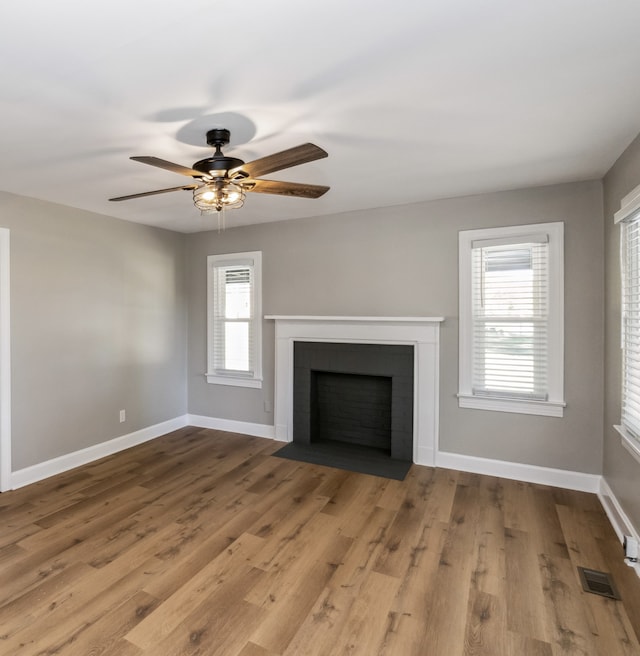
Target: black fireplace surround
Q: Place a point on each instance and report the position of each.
(357, 399)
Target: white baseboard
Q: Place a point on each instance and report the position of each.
(620, 521)
(232, 426)
(64, 463)
(69, 461)
(516, 471)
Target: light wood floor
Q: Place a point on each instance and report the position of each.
(201, 542)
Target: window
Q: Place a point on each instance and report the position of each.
(511, 319)
(234, 319)
(629, 218)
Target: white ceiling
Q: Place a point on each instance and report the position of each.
(413, 99)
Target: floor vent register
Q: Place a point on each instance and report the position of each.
(599, 583)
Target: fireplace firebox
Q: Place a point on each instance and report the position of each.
(351, 408)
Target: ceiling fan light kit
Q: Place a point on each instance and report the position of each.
(218, 195)
(222, 181)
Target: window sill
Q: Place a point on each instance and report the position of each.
(235, 381)
(629, 442)
(544, 408)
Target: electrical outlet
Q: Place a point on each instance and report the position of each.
(630, 545)
(123, 416)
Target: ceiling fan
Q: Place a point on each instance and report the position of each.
(221, 181)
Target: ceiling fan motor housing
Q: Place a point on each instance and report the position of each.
(218, 162)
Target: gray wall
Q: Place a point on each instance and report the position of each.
(98, 324)
(621, 471)
(100, 316)
(404, 261)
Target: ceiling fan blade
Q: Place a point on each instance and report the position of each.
(297, 189)
(158, 191)
(170, 166)
(283, 160)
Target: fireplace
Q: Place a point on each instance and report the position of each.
(359, 394)
(418, 334)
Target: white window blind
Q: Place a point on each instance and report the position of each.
(232, 318)
(234, 338)
(630, 247)
(511, 335)
(510, 303)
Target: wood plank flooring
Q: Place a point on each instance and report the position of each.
(203, 543)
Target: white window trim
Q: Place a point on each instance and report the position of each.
(554, 406)
(629, 442)
(629, 206)
(235, 379)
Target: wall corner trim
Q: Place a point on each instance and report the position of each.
(64, 463)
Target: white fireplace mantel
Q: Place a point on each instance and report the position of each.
(420, 332)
